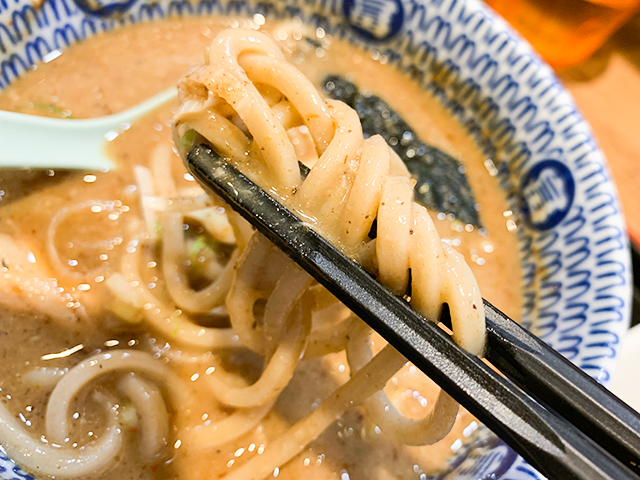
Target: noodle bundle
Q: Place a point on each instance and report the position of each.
(248, 102)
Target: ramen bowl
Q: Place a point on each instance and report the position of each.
(572, 242)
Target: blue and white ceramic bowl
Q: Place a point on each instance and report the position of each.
(574, 247)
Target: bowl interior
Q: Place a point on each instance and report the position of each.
(573, 247)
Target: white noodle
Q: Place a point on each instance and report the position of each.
(147, 399)
(214, 434)
(174, 325)
(429, 430)
(76, 379)
(43, 377)
(62, 267)
(173, 253)
(47, 459)
(161, 157)
(149, 203)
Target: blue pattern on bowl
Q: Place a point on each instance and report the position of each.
(573, 244)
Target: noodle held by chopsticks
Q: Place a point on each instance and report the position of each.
(247, 101)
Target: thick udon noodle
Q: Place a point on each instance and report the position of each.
(247, 102)
(250, 104)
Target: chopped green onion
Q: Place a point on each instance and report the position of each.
(129, 416)
(53, 109)
(202, 246)
(126, 312)
(185, 142)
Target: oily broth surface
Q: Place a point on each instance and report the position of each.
(114, 71)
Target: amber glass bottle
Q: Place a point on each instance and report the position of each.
(566, 32)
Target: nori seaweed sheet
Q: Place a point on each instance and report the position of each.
(441, 181)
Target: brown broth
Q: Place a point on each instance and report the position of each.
(113, 71)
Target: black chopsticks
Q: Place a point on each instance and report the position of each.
(548, 441)
(559, 385)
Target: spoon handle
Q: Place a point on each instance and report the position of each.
(29, 141)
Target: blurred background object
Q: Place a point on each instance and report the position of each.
(566, 32)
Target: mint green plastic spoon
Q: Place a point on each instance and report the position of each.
(29, 141)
